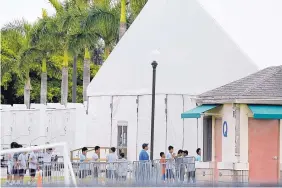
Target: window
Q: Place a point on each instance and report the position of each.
(207, 136)
(122, 137)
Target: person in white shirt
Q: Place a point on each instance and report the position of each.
(122, 167)
(22, 166)
(169, 164)
(111, 159)
(33, 162)
(179, 166)
(190, 165)
(10, 164)
(95, 158)
(47, 163)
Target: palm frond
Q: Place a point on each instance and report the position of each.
(57, 5)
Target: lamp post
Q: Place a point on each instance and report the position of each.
(154, 65)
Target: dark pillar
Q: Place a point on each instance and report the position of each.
(154, 65)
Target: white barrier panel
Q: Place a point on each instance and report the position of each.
(40, 125)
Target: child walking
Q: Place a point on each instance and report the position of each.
(163, 165)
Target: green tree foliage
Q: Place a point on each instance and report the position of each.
(54, 41)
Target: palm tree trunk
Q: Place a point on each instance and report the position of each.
(106, 52)
(43, 90)
(122, 27)
(27, 89)
(65, 84)
(86, 74)
(74, 79)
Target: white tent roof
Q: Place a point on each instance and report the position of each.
(195, 53)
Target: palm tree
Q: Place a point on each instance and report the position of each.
(103, 18)
(61, 33)
(136, 6)
(82, 38)
(86, 73)
(122, 27)
(45, 44)
(9, 63)
(70, 17)
(19, 34)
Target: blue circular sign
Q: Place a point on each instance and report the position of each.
(224, 129)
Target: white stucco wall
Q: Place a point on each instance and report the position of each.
(245, 113)
(228, 143)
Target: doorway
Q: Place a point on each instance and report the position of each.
(263, 151)
(217, 145)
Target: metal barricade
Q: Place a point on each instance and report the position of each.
(177, 172)
(101, 173)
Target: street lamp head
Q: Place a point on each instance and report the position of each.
(154, 64)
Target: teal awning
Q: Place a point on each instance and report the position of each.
(266, 111)
(196, 112)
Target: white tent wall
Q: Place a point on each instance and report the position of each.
(136, 111)
(175, 105)
(99, 128)
(192, 129)
(160, 124)
(125, 109)
(81, 122)
(144, 121)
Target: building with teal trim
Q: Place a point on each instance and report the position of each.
(242, 128)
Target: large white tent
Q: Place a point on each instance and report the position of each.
(196, 55)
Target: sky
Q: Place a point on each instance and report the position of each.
(254, 25)
(17, 9)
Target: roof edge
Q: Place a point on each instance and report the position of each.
(277, 101)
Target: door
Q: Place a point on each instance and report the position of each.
(263, 151)
(217, 145)
(207, 139)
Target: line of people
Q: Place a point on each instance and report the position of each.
(112, 171)
(19, 163)
(182, 164)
